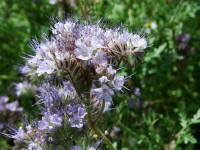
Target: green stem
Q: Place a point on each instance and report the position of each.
(106, 140)
(74, 84)
(128, 130)
(175, 137)
(96, 130)
(100, 112)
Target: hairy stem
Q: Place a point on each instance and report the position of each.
(96, 130)
(106, 140)
(74, 84)
(100, 112)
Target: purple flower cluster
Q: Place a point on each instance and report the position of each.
(48, 122)
(24, 87)
(8, 110)
(77, 114)
(79, 65)
(12, 106)
(74, 46)
(58, 104)
(31, 136)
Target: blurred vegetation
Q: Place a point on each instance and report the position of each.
(158, 110)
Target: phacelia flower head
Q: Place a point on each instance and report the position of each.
(74, 47)
(79, 67)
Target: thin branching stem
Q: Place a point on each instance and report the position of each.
(106, 140)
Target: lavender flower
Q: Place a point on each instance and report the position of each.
(3, 101)
(100, 58)
(138, 42)
(50, 122)
(49, 96)
(10, 112)
(103, 93)
(30, 136)
(101, 68)
(82, 51)
(77, 114)
(56, 120)
(24, 87)
(67, 92)
(46, 66)
(19, 135)
(43, 124)
(12, 106)
(137, 92)
(118, 82)
(34, 146)
(103, 79)
(111, 71)
(107, 106)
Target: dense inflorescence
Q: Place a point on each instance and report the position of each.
(79, 65)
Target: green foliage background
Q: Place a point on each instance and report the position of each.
(168, 78)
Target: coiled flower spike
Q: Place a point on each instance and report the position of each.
(79, 65)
